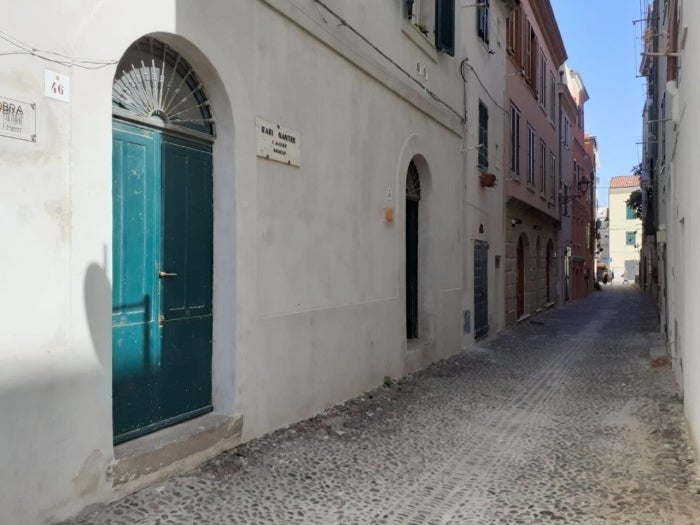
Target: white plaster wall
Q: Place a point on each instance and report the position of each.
(483, 206)
(309, 279)
(682, 222)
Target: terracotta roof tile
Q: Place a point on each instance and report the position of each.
(627, 181)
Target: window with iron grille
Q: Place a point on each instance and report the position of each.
(482, 20)
(483, 147)
(531, 152)
(514, 140)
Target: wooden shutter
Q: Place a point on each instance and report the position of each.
(445, 26)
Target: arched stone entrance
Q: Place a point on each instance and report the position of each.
(162, 241)
(412, 202)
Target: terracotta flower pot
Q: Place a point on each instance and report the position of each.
(487, 179)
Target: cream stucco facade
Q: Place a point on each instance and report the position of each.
(624, 230)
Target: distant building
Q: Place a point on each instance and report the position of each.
(625, 230)
(577, 190)
(602, 243)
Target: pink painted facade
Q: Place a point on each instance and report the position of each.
(531, 158)
(582, 274)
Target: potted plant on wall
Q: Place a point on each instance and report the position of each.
(487, 180)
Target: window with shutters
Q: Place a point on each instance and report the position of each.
(514, 32)
(552, 173)
(552, 97)
(631, 238)
(526, 57)
(421, 13)
(530, 65)
(482, 21)
(483, 147)
(543, 168)
(565, 130)
(542, 82)
(514, 141)
(445, 26)
(531, 152)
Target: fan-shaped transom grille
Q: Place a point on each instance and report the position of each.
(155, 83)
(412, 183)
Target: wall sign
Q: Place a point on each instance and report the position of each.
(56, 85)
(277, 143)
(17, 119)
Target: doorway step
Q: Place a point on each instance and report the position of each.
(160, 455)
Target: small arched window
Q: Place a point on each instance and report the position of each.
(156, 85)
(413, 183)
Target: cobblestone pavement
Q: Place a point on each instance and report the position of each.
(562, 419)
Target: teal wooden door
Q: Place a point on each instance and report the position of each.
(162, 275)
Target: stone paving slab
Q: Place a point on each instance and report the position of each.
(564, 419)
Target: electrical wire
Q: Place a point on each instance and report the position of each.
(344, 23)
(51, 56)
(465, 62)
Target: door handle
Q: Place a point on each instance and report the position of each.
(162, 274)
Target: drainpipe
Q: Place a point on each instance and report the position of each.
(562, 252)
(467, 301)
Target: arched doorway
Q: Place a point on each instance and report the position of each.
(162, 241)
(548, 270)
(520, 288)
(539, 274)
(412, 201)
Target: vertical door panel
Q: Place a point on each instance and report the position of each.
(135, 340)
(520, 291)
(161, 325)
(186, 296)
(411, 269)
(481, 298)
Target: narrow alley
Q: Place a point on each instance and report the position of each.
(571, 417)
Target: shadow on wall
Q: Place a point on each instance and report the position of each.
(98, 298)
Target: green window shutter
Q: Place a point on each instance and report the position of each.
(631, 214)
(445, 26)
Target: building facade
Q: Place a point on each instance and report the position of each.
(225, 218)
(670, 65)
(579, 188)
(535, 54)
(625, 230)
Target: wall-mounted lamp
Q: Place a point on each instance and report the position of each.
(513, 222)
(582, 188)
